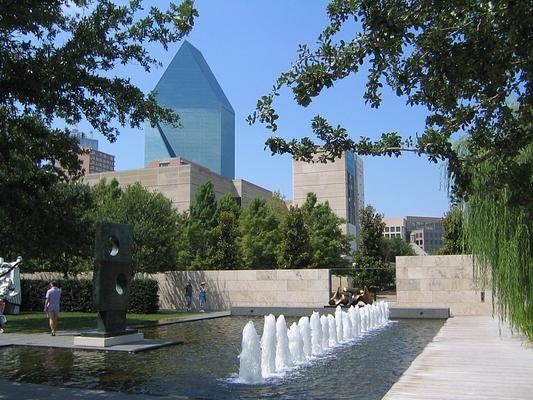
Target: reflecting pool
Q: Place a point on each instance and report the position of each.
(207, 365)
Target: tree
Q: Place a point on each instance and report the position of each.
(278, 203)
(154, 222)
(200, 229)
(154, 228)
(59, 62)
(393, 247)
(184, 251)
(371, 238)
(62, 239)
(226, 234)
(470, 63)
(500, 235)
(461, 60)
(294, 249)
(370, 267)
(31, 188)
(454, 238)
(259, 235)
(328, 245)
(106, 197)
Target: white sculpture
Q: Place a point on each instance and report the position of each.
(10, 285)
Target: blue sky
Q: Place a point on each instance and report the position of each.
(247, 44)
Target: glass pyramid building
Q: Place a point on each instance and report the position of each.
(207, 132)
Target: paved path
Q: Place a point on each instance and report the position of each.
(466, 360)
(65, 339)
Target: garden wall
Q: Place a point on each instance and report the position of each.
(441, 281)
(277, 288)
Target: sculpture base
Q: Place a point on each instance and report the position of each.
(107, 341)
(103, 334)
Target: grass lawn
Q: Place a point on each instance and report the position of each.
(37, 322)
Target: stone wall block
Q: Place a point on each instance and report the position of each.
(246, 275)
(266, 275)
(296, 286)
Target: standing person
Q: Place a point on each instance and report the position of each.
(202, 296)
(51, 306)
(188, 295)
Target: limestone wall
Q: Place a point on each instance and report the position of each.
(441, 281)
(276, 288)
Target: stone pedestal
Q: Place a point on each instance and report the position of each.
(97, 339)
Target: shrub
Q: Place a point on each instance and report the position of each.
(77, 295)
(144, 296)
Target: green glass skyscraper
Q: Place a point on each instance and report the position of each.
(207, 132)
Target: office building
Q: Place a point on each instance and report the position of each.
(178, 179)
(92, 160)
(206, 131)
(425, 232)
(340, 183)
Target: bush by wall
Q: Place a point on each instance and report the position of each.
(77, 295)
(144, 298)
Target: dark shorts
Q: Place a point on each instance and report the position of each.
(52, 313)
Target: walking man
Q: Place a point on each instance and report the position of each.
(51, 306)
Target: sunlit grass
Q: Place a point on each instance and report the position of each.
(37, 322)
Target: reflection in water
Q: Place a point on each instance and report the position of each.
(206, 365)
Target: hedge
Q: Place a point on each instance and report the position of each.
(77, 295)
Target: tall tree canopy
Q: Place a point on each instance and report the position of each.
(393, 247)
(201, 224)
(259, 235)
(454, 237)
(463, 60)
(154, 221)
(58, 62)
(295, 247)
(329, 247)
(370, 262)
(470, 63)
(226, 234)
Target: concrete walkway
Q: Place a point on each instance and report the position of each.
(468, 359)
(65, 339)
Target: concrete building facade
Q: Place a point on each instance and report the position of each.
(206, 131)
(340, 183)
(92, 160)
(425, 232)
(178, 179)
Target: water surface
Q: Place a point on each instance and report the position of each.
(206, 366)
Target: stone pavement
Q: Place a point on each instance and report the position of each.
(468, 359)
(65, 339)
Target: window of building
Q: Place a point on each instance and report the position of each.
(398, 235)
(386, 229)
(398, 229)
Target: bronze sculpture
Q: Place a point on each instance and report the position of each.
(351, 297)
